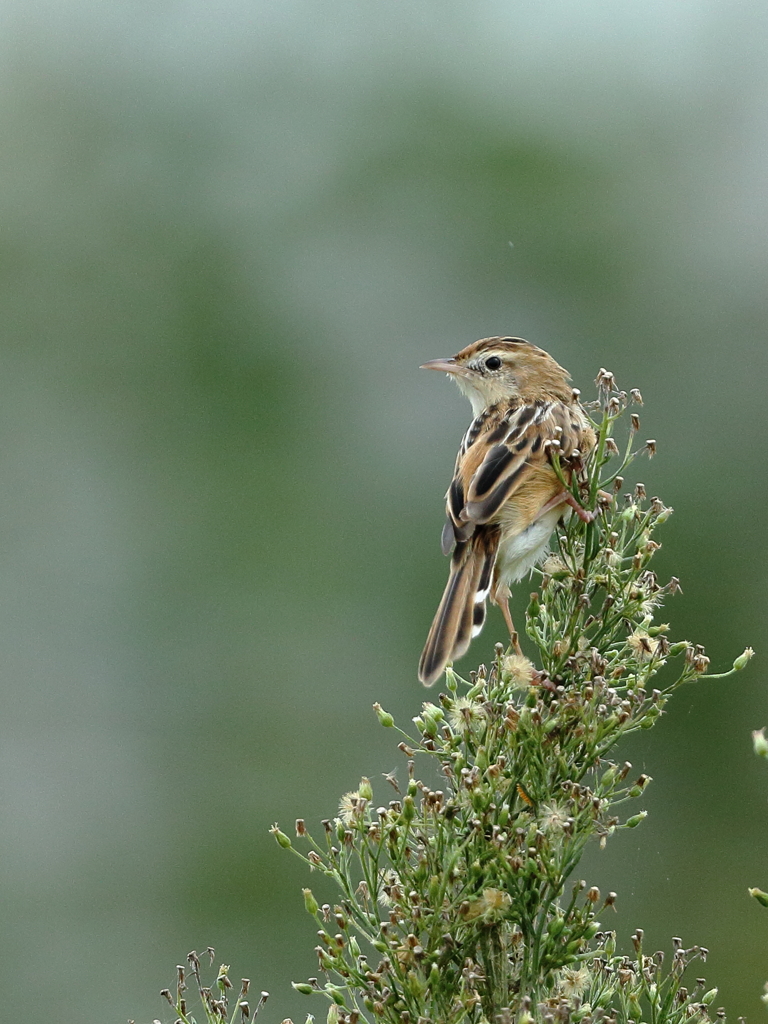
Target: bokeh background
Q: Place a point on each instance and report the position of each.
(230, 234)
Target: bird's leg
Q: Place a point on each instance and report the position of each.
(566, 498)
(583, 513)
(500, 597)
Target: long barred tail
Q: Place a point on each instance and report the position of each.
(461, 613)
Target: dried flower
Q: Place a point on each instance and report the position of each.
(605, 380)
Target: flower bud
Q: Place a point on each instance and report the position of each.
(414, 985)
(310, 902)
(409, 808)
(556, 926)
(303, 987)
(384, 717)
(281, 837)
(451, 680)
(759, 742)
(635, 820)
(743, 659)
(649, 718)
(365, 789)
(760, 896)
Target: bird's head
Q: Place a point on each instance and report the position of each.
(505, 369)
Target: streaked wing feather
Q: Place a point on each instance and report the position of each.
(505, 467)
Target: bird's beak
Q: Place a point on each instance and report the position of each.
(447, 366)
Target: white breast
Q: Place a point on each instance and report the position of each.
(519, 553)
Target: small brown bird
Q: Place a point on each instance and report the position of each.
(505, 498)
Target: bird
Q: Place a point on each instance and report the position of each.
(505, 498)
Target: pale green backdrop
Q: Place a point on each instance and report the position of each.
(230, 234)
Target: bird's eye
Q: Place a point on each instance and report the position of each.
(492, 363)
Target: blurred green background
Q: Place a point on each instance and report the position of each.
(230, 234)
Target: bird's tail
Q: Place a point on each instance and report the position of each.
(461, 613)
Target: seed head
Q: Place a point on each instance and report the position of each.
(553, 818)
(640, 644)
(520, 669)
(574, 980)
(490, 906)
(465, 713)
(553, 564)
(350, 807)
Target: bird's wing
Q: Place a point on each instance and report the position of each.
(502, 457)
